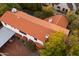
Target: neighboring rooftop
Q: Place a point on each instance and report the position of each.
(5, 35)
(60, 20)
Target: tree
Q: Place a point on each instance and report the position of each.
(3, 8)
(74, 51)
(71, 16)
(14, 5)
(74, 45)
(48, 10)
(77, 11)
(74, 24)
(39, 14)
(75, 31)
(31, 6)
(55, 45)
(6, 7)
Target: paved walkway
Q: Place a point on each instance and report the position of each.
(15, 48)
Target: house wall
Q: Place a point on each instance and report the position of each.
(38, 46)
(62, 5)
(74, 7)
(66, 6)
(23, 38)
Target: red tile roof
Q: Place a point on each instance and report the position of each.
(60, 20)
(31, 25)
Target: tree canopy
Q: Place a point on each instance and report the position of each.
(31, 6)
(55, 45)
(8, 6)
(74, 25)
(71, 16)
(74, 45)
(39, 14)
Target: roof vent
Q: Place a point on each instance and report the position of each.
(46, 36)
(14, 10)
(50, 20)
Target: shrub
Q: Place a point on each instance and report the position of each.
(55, 45)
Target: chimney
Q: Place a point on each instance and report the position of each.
(46, 36)
(14, 10)
(50, 20)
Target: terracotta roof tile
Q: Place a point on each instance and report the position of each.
(60, 20)
(31, 25)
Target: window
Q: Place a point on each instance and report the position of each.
(5, 23)
(23, 32)
(58, 7)
(66, 10)
(35, 39)
(63, 9)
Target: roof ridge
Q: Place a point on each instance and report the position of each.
(44, 22)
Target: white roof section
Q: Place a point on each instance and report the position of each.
(5, 35)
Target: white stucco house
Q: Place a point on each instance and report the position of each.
(63, 7)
